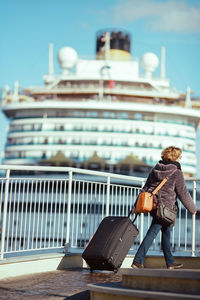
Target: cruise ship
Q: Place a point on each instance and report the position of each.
(109, 112)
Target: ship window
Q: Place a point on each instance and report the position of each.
(99, 141)
(38, 126)
(124, 115)
(127, 128)
(28, 127)
(21, 154)
(69, 126)
(138, 116)
(108, 114)
(109, 128)
(93, 127)
(117, 128)
(10, 141)
(100, 127)
(60, 141)
(93, 142)
(43, 155)
(76, 142)
(69, 140)
(93, 114)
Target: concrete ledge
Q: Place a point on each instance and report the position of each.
(178, 281)
(12, 267)
(180, 273)
(115, 291)
(158, 262)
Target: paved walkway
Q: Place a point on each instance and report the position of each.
(68, 284)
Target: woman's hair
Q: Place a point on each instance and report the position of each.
(171, 153)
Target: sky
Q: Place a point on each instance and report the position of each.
(28, 26)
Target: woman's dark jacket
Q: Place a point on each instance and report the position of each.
(173, 188)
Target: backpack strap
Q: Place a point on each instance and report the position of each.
(162, 183)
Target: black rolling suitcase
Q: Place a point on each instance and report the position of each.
(110, 243)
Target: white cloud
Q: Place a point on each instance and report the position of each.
(169, 16)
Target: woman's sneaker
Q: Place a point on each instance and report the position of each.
(174, 266)
(136, 265)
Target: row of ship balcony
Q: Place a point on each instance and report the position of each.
(103, 116)
(57, 93)
(90, 86)
(119, 97)
(93, 142)
(106, 130)
(130, 120)
(142, 145)
(107, 95)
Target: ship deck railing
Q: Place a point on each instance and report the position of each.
(48, 209)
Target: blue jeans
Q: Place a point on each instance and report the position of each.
(148, 240)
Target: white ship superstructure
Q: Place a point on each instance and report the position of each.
(101, 108)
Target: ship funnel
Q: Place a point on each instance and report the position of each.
(113, 45)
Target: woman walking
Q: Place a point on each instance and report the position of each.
(175, 187)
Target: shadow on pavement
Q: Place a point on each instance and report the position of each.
(85, 295)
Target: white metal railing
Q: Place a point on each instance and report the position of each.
(57, 207)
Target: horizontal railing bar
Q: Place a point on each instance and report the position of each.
(81, 171)
(68, 169)
(192, 179)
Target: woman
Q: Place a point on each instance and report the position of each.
(174, 187)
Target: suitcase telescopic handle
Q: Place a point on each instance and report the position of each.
(130, 213)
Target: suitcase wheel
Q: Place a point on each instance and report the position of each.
(115, 270)
(91, 270)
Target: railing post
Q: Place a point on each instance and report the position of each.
(194, 219)
(67, 244)
(107, 196)
(5, 205)
(142, 220)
